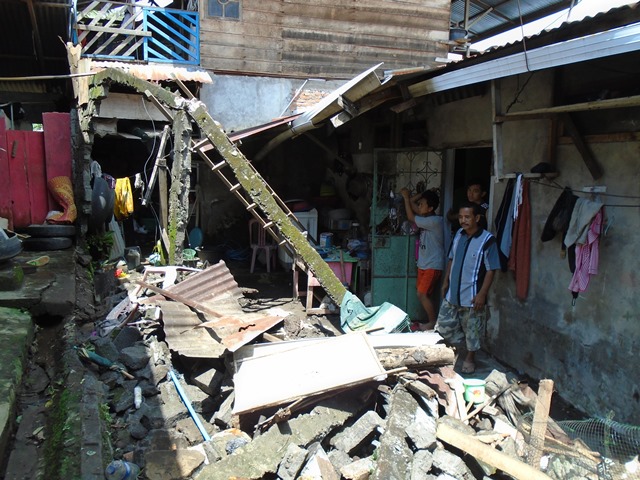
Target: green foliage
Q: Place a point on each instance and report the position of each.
(100, 245)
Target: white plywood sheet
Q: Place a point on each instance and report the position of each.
(279, 375)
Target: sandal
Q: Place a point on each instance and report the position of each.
(468, 367)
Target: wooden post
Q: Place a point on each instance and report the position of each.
(179, 190)
(514, 467)
(539, 426)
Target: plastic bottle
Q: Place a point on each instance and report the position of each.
(137, 397)
(121, 470)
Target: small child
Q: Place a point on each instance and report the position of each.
(421, 209)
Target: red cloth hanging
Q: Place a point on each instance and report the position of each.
(520, 255)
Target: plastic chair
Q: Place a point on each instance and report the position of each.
(258, 241)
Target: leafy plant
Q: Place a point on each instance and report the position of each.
(100, 245)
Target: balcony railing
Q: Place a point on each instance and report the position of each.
(124, 31)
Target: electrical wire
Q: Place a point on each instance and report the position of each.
(557, 186)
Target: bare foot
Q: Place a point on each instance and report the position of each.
(427, 326)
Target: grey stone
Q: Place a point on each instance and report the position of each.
(137, 430)
(339, 458)
(36, 380)
(228, 441)
(162, 439)
(152, 415)
(451, 464)
(172, 464)
(188, 428)
(224, 414)
(422, 430)
(105, 348)
(196, 396)
(394, 454)
(292, 462)
(127, 337)
(358, 470)
(173, 409)
(354, 436)
(209, 381)
(111, 379)
(264, 453)
(122, 399)
(135, 357)
(422, 461)
(318, 466)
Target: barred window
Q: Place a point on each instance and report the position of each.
(224, 9)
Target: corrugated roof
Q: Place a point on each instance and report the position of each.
(490, 17)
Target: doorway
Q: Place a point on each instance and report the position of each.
(462, 166)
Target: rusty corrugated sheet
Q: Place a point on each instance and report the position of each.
(155, 72)
(181, 333)
(215, 282)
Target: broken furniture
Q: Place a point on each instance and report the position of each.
(343, 266)
(259, 242)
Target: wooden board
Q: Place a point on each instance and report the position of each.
(303, 369)
(5, 179)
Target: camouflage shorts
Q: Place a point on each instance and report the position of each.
(461, 324)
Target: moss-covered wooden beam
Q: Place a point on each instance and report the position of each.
(252, 183)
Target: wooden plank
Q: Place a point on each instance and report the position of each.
(19, 190)
(37, 176)
(117, 31)
(539, 425)
(127, 106)
(302, 370)
(5, 176)
(484, 453)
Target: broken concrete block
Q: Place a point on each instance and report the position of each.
(265, 452)
(358, 470)
(422, 431)
(292, 462)
(339, 458)
(318, 467)
(223, 416)
(172, 464)
(363, 428)
(447, 462)
(422, 461)
(209, 381)
(394, 454)
(135, 357)
(127, 337)
(230, 440)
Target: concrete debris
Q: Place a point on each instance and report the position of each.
(406, 424)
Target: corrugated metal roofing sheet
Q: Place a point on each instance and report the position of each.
(490, 17)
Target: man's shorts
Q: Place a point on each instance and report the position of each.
(461, 324)
(427, 280)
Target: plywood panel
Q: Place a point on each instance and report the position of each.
(282, 375)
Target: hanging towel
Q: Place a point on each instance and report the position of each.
(587, 255)
(581, 217)
(123, 206)
(520, 255)
(504, 225)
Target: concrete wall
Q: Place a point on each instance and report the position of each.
(589, 349)
(240, 102)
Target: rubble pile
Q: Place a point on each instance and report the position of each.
(201, 388)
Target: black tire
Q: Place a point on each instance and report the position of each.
(45, 244)
(47, 231)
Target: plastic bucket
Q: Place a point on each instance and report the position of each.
(326, 240)
(474, 390)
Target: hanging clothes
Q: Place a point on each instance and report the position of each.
(587, 255)
(520, 255)
(123, 206)
(581, 217)
(504, 225)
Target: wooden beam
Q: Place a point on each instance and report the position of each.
(592, 164)
(118, 31)
(539, 425)
(36, 35)
(496, 106)
(624, 102)
(471, 446)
